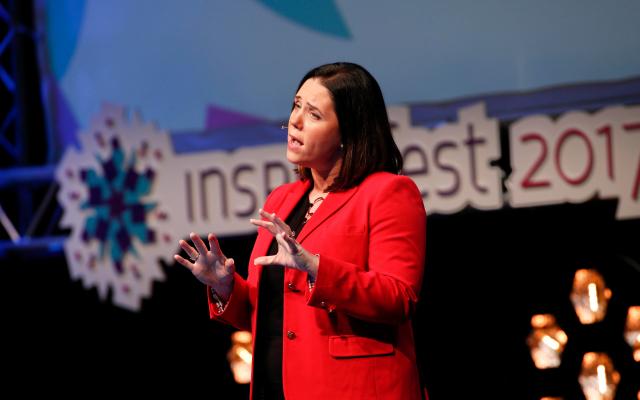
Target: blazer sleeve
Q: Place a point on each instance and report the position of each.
(386, 289)
(237, 311)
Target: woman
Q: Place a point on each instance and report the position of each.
(329, 300)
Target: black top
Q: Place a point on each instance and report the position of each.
(267, 357)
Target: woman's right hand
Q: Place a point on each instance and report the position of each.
(211, 267)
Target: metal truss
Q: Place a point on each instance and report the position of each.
(10, 143)
(28, 209)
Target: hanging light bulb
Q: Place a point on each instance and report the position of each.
(590, 296)
(632, 331)
(598, 378)
(546, 341)
(240, 356)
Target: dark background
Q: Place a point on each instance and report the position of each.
(486, 274)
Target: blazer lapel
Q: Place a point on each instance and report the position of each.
(282, 210)
(333, 202)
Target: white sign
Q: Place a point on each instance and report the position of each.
(128, 197)
(451, 163)
(577, 157)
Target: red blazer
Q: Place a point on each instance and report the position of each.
(350, 337)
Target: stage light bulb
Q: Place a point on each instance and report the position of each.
(546, 341)
(598, 378)
(240, 356)
(632, 331)
(590, 296)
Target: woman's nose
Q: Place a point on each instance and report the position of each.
(295, 120)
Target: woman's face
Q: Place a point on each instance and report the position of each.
(314, 134)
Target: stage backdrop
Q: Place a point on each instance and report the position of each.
(194, 65)
(499, 108)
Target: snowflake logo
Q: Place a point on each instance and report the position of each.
(118, 230)
(115, 197)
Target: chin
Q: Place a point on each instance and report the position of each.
(293, 158)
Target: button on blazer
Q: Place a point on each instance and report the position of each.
(350, 336)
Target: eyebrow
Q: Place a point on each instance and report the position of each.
(311, 106)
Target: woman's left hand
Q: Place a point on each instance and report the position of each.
(290, 253)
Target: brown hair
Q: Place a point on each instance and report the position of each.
(365, 133)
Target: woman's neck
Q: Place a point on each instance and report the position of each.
(322, 180)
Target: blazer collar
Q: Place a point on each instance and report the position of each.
(331, 204)
(282, 209)
(292, 198)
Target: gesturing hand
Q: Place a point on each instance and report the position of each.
(211, 267)
(290, 253)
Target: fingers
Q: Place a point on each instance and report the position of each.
(230, 265)
(191, 252)
(183, 262)
(275, 219)
(277, 222)
(200, 246)
(283, 242)
(265, 260)
(264, 224)
(214, 245)
(281, 224)
(290, 243)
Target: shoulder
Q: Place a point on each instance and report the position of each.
(283, 190)
(380, 180)
(398, 190)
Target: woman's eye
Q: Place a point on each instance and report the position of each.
(315, 116)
